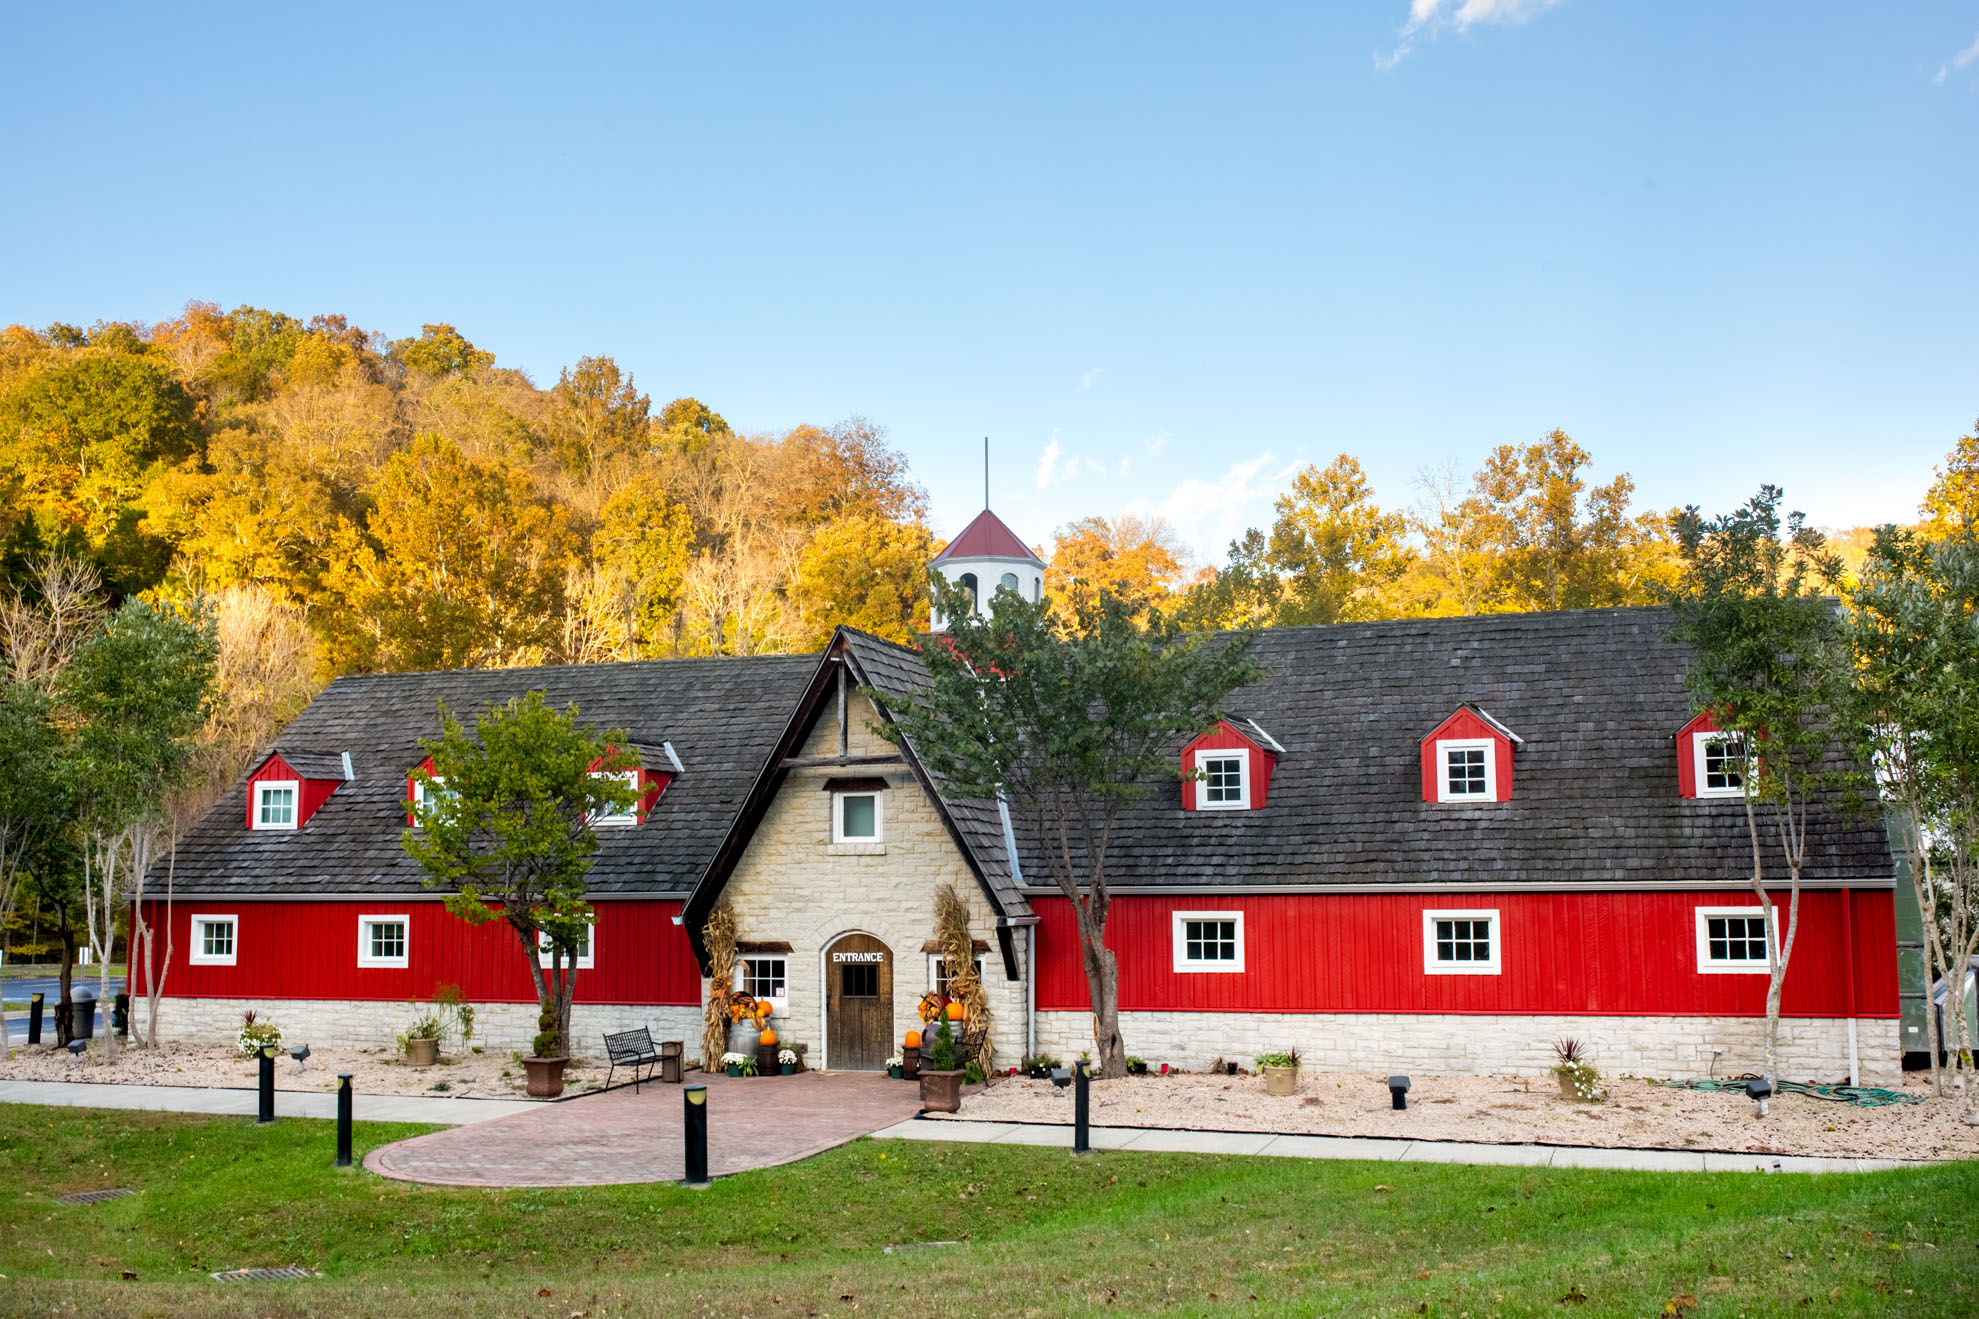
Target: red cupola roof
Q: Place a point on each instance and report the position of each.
(988, 538)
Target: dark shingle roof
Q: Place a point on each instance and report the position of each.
(311, 764)
(721, 715)
(1597, 695)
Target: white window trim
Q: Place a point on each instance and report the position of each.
(1430, 966)
(419, 791)
(1179, 932)
(934, 969)
(585, 960)
(1698, 742)
(364, 924)
(778, 1002)
(632, 816)
(198, 958)
(295, 804)
(1705, 966)
(1448, 744)
(878, 835)
(1242, 756)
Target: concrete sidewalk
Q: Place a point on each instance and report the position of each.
(288, 1103)
(1378, 1150)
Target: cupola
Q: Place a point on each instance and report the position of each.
(988, 555)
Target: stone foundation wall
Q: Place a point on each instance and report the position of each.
(373, 1023)
(1809, 1048)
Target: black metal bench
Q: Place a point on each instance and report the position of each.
(634, 1049)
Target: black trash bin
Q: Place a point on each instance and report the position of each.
(82, 1017)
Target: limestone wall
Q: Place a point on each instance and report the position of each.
(1809, 1048)
(793, 884)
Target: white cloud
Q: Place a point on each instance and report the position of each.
(1431, 17)
(1086, 380)
(1156, 442)
(1127, 464)
(1211, 513)
(1965, 59)
(1055, 465)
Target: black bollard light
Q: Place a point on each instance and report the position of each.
(696, 1132)
(35, 1004)
(266, 1057)
(1082, 1075)
(1760, 1092)
(343, 1119)
(1398, 1090)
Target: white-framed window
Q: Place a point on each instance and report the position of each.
(215, 940)
(384, 940)
(764, 977)
(1225, 784)
(426, 792)
(858, 817)
(938, 972)
(1462, 943)
(584, 946)
(1209, 941)
(275, 803)
(1718, 761)
(1467, 769)
(1731, 940)
(630, 815)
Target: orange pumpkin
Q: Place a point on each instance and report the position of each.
(763, 1006)
(766, 1038)
(913, 1039)
(955, 1012)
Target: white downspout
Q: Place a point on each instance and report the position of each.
(1030, 992)
(1854, 1065)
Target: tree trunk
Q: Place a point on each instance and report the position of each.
(543, 1006)
(65, 1022)
(1103, 990)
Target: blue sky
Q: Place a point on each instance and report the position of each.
(1159, 254)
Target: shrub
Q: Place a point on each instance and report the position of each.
(944, 1050)
(1283, 1058)
(1581, 1074)
(257, 1035)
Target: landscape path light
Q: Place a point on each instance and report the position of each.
(77, 1048)
(1760, 1092)
(300, 1052)
(1398, 1091)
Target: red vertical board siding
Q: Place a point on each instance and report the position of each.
(1619, 954)
(310, 793)
(309, 950)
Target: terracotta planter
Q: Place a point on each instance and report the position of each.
(545, 1076)
(422, 1053)
(1281, 1080)
(941, 1092)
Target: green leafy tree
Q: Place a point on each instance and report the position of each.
(1246, 592)
(505, 829)
(32, 788)
(134, 698)
(1769, 662)
(640, 552)
(1070, 724)
(1336, 551)
(1953, 499)
(1914, 629)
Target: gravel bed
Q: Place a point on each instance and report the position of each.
(1627, 1113)
(461, 1075)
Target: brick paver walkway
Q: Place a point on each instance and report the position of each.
(618, 1136)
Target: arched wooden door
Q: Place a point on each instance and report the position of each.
(858, 1004)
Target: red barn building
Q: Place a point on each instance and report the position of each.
(1419, 845)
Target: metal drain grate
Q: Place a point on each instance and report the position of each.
(264, 1275)
(91, 1197)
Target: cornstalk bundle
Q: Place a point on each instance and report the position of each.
(719, 934)
(964, 985)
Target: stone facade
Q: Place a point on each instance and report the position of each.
(1809, 1048)
(376, 1023)
(792, 884)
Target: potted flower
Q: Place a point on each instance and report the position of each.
(1576, 1076)
(1281, 1071)
(420, 1042)
(1136, 1066)
(941, 1080)
(894, 1065)
(786, 1062)
(256, 1035)
(766, 1051)
(1039, 1068)
(732, 1063)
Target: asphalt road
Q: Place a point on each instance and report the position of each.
(21, 988)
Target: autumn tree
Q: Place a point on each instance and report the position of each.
(596, 425)
(1953, 499)
(1136, 561)
(459, 565)
(1334, 549)
(865, 571)
(640, 554)
(440, 350)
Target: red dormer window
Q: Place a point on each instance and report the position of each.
(286, 789)
(649, 783)
(1710, 762)
(1468, 758)
(1229, 768)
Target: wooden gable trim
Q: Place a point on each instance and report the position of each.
(828, 681)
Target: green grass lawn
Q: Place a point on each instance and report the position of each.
(1040, 1233)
